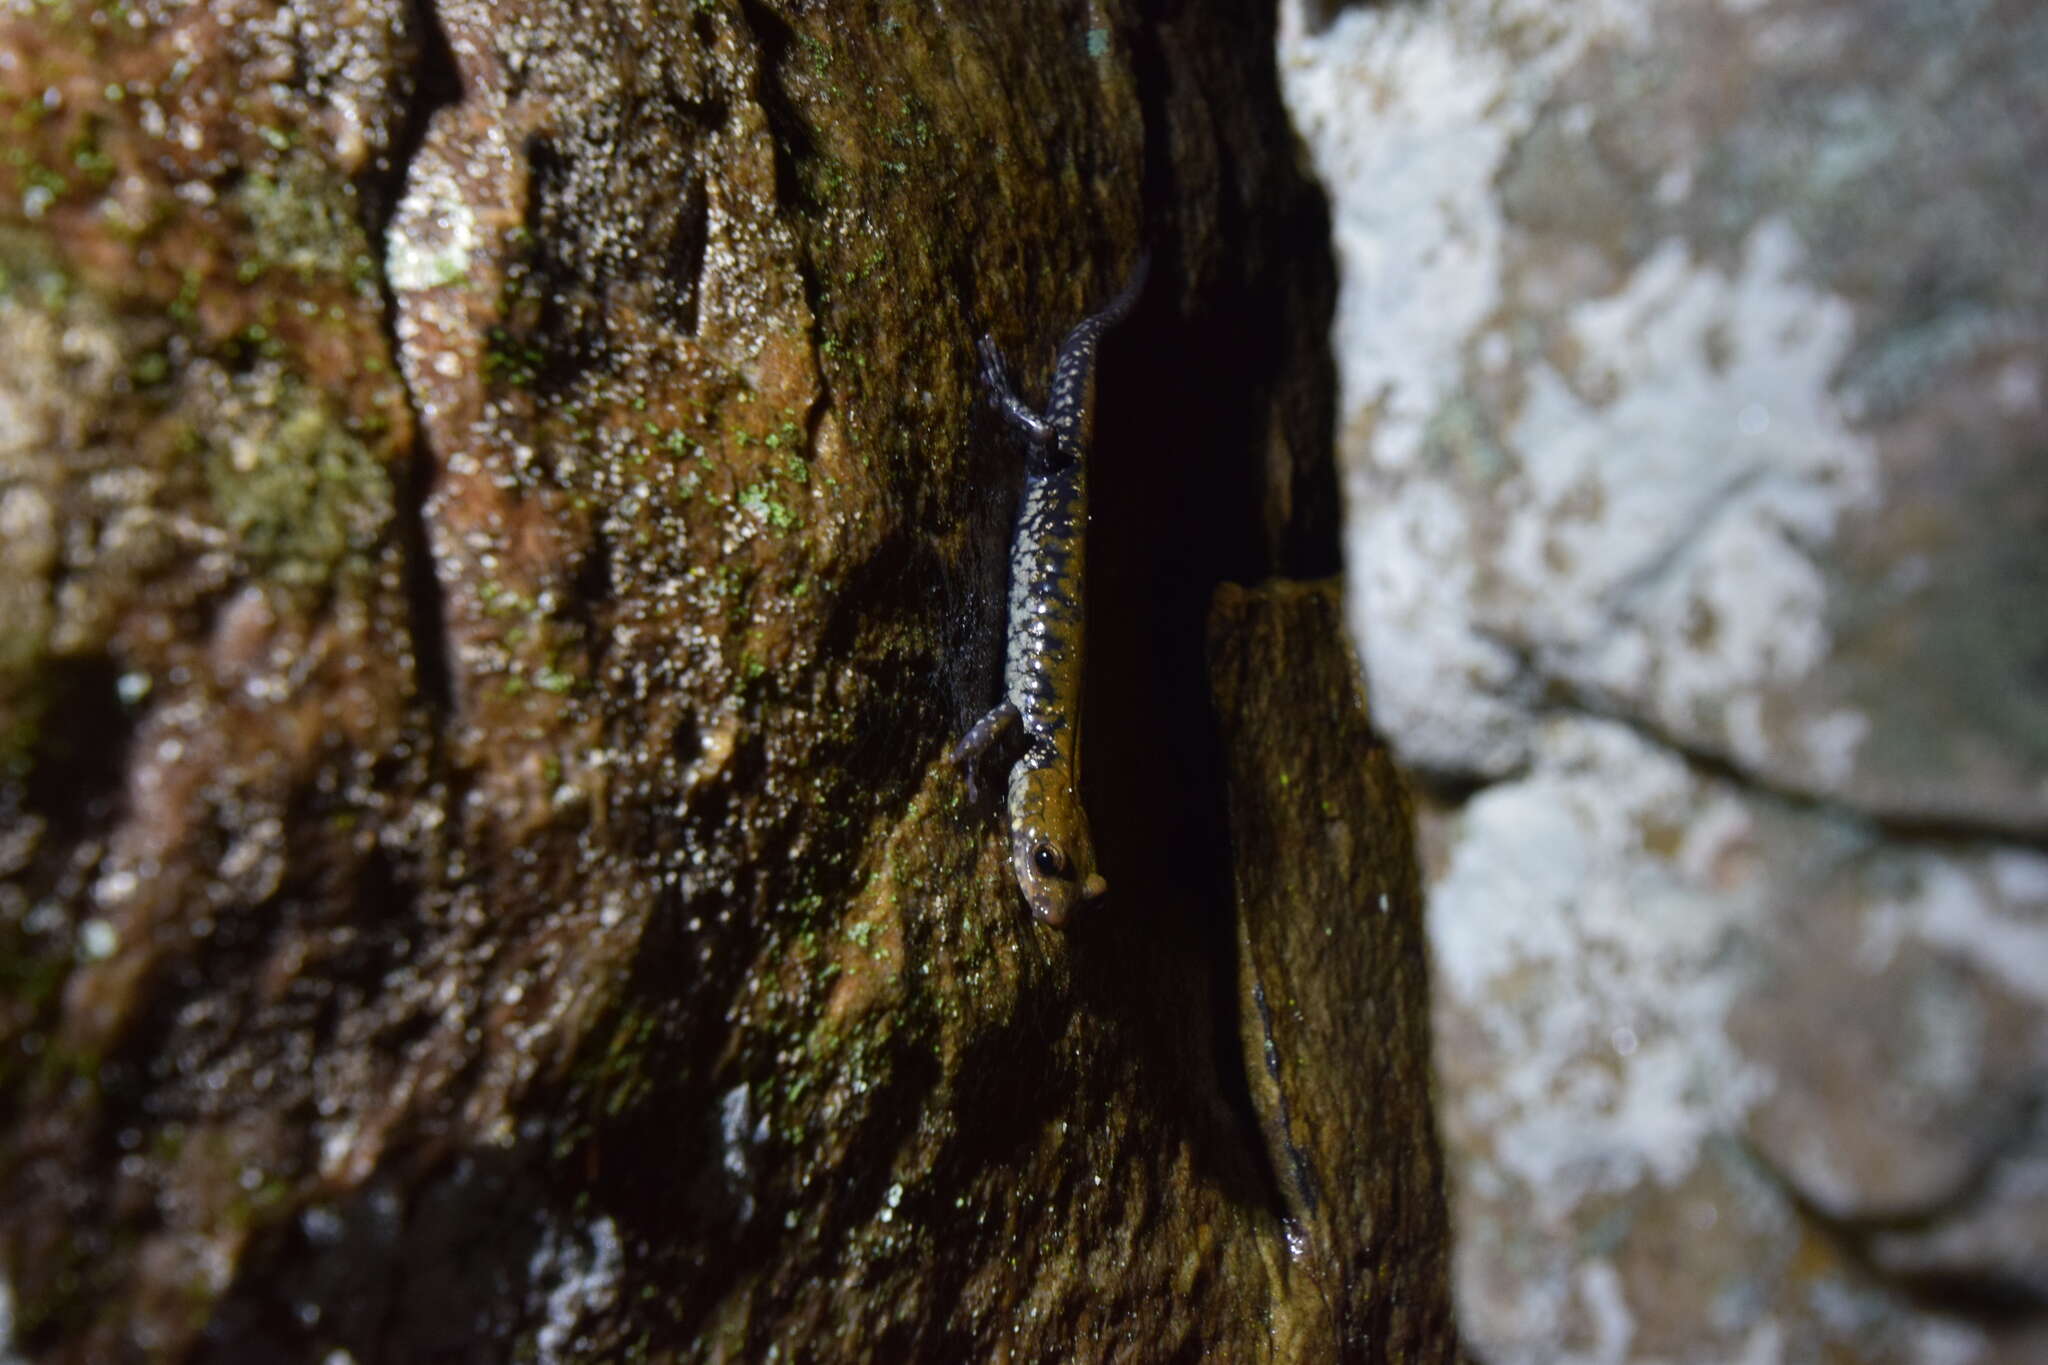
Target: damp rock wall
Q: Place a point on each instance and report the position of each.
(502, 529)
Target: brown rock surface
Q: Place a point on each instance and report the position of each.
(500, 533)
(1332, 984)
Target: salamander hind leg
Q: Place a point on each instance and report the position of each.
(976, 741)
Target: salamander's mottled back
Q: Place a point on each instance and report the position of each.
(1050, 849)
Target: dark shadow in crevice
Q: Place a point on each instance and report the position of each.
(792, 143)
(1182, 502)
(79, 757)
(436, 85)
(432, 1263)
(1160, 541)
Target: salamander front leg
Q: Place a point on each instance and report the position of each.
(975, 742)
(997, 376)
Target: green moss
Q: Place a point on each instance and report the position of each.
(510, 361)
(760, 500)
(30, 274)
(302, 217)
(300, 493)
(185, 307)
(499, 600)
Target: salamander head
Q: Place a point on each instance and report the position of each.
(1050, 850)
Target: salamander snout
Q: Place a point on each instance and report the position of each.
(1054, 879)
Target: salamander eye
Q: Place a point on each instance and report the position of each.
(1049, 861)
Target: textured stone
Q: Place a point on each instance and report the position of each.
(1821, 376)
(1333, 991)
(1692, 370)
(502, 528)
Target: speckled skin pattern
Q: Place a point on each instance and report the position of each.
(1050, 848)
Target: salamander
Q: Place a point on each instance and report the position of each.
(1050, 850)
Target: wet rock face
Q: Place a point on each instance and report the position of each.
(204, 740)
(1692, 361)
(1331, 979)
(501, 527)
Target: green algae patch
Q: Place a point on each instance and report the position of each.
(303, 219)
(298, 491)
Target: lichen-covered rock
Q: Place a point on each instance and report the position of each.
(1657, 359)
(1692, 370)
(502, 530)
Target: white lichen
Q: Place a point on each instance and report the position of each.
(1558, 928)
(581, 1269)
